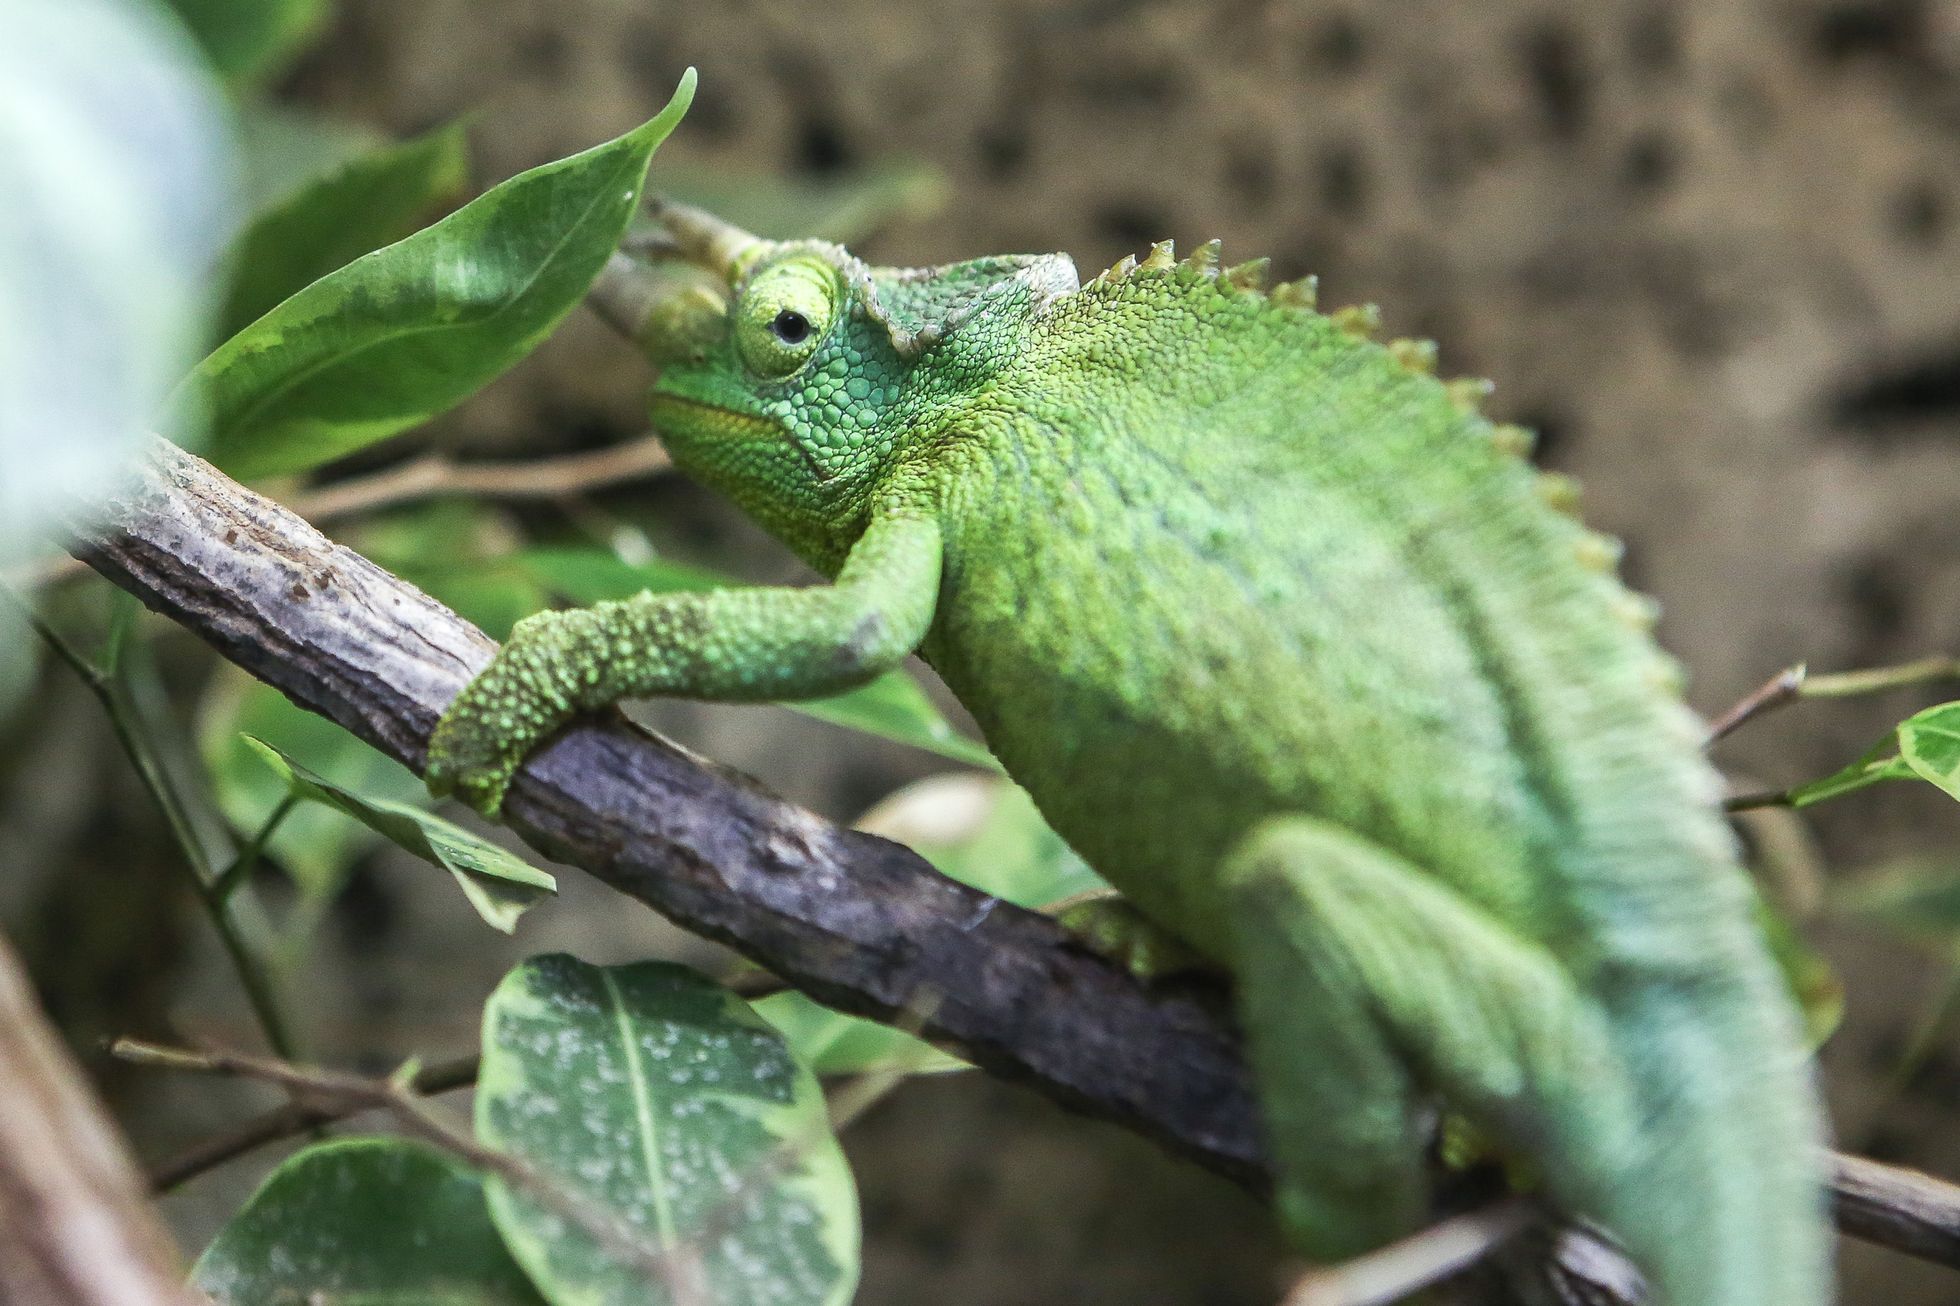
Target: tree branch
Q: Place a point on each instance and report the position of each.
(859, 923)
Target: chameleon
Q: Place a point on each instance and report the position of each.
(1296, 647)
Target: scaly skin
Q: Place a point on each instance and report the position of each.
(1291, 644)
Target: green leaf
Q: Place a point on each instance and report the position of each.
(284, 148)
(378, 1221)
(831, 1043)
(1929, 743)
(895, 707)
(400, 335)
(362, 205)
(499, 884)
(651, 1093)
(1867, 770)
(247, 40)
(315, 844)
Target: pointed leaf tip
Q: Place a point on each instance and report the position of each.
(406, 332)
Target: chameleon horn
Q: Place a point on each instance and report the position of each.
(704, 238)
(625, 295)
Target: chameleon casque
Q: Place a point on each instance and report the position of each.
(1295, 647)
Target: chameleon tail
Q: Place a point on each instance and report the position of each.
(1726, 1206)
(1678, 1116)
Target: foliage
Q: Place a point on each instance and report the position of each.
(500, 885)
(364, 1219)
(676, 1138)
(400, 335)
(659, 1097)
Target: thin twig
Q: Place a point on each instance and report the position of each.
(295, 1118)
(139, 746)
(1794, 683)
(434, 475)
(241, 867)
(1773, 693)
(1874, 680)
(1749, 802)
(437, 474)
(1391, 1273)
(350, 1094)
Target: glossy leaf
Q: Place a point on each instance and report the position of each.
(831, 1043)
(498, 883)
(1929, 743)
(406, 332)
(652, 1093)
(317, 845)
(249, 39)
(357, 208)
(379, 1221)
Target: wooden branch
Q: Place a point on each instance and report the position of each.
(74, 1228)
(860, 923)
(856, 921)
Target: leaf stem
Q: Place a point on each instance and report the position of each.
(137, 740)
(247, 861)
(346, 1094)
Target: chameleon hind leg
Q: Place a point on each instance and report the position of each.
(1369, 989)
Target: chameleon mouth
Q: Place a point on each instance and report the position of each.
(728, 423)
(724, 421)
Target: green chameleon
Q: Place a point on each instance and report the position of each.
(1298, 651)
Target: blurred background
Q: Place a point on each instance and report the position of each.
(1709, 252)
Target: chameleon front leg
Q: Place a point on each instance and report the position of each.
(740, 645)
(1367, 989)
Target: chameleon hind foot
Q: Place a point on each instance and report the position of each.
(1113, 928)
(1372, 991)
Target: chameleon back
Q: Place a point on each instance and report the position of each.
(1213, 558)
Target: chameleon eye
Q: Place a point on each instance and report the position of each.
(784, 313)
(790, 326)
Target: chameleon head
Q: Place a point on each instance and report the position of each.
(799, 380)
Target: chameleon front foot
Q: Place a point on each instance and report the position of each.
(528, 691)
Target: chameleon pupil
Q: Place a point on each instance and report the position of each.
(791, 327)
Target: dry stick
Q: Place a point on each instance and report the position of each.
(859, 923)
(296, 1118)
(350, 1094)
(1773, 693)
(436, 474)
(1393, 1272)
(293, 1119)
(433, 474)
(1793, 683)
